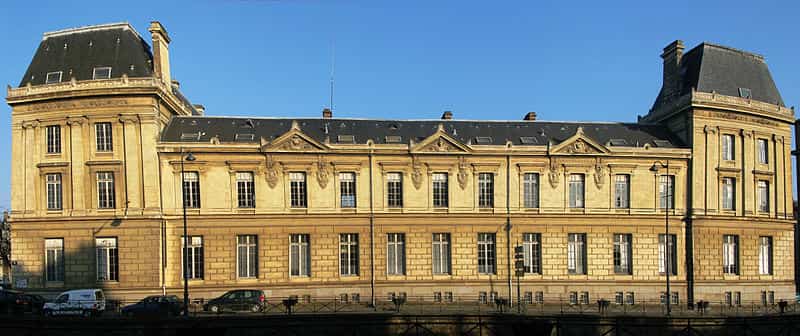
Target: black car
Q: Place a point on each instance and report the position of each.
(251, 300)
(33, 303)
(11, 302)
(155, 306)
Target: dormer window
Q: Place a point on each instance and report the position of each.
(53, 77)
(101, 73)
(483, 140)
(346, 139)
(745, 93)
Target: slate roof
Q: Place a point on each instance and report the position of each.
(202, 129)
(76, 52)
(714, 68)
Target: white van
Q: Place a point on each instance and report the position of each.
(85, 302)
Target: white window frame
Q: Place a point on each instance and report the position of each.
(662, 257)
(532, 253)
(47, 78)
(395, 254)
(348, 254)
(487, 253)
(763, 196)
(765, 255)
(763, 151)
(106, 197)
(54, 259)
(622, 191)
(486, 190)
(96, 69)
(196, 258)
(576, 253)
(441, 193)
(53, 139)
(347, 190)
(298, 192)
(441, 249)
(623, 253)
(104, 137)
(730, 254)
(54, 191)
(576, 191)
(394, 190)
(245, 190)
(666, 192)
(191, 189)
(728, 193)
(728, 147)
(107, 256)
(300, 265)
(247, 256)
(530, 190)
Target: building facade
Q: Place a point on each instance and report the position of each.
(370, 209)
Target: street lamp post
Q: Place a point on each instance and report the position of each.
(189, 157)
(667, 246)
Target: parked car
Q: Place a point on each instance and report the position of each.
(11, 302)
(251, 300)
(85, 302)
(33, 303)
(156, 305)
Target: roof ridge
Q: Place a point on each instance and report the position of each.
(430, 120)
(84, 29)
(732, 49)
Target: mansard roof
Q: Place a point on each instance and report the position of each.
(470, 132)
(714, 68)
(77, 51)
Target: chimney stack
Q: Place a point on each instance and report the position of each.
(327, 113)
(200, 109)
(161, 42)
(531, 116)
(671, 83)
(447, 115)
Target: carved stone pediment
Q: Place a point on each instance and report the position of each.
(439, 142)
(579, 144)
(294, 141)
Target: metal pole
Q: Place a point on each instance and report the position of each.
(371, 237)
(667, 242)
(508, 230)
(797, 217)
(185, 247)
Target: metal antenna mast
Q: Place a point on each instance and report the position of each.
(333, 66)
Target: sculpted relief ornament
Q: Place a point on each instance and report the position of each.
(322, 172)
(295, 143)
(599, 173)
(273, 171)
(462, 172)
(553, 173)
(416, 173)
(441, 145)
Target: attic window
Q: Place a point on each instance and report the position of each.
(393, 139)
(244, 137)
(248, 124)
(346, 139)
(662, 143)
(483, 140)
(528, 140)
(618, 142)
(745, 93)
(190, 136)
(102, 73)
(53, 77)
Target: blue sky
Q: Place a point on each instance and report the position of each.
(566, 60)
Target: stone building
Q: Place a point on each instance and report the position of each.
(360, 208)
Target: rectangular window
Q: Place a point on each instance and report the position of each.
(103, 137)
(247, 256)
(440, 192)
(245, 190)
(727, 147)
(663, 255)
(193, 259)
(763, 156)
(585, 298)
(765, 255)
(531, 190)
(728, 193)
(348, 254)
(54, 196)
(54, 259)
(191, 189)
(53, 77)
(763, 196)
(396, 254)
(630, 298)
(394, 190)
(623, 253)
(347, 190)
(486, 253)
(105, 190)
(619, 298)
(622, 188)
(573, 298)
(486, 190)
(101, 73)
(441, 253)
(532, 249)
(576, 253)
(299, 255)
(53, 137)
(297, 183)
(107, 259)
(666, 191)
(576, 190)
(730, 254)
